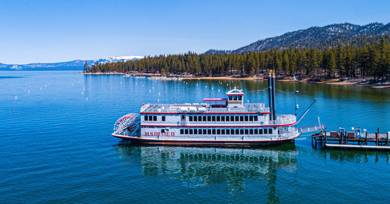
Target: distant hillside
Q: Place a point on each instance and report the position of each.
(69, 65)
(316, 37)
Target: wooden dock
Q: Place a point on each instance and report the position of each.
(355, 139)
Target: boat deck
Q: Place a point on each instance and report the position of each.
(202, 108)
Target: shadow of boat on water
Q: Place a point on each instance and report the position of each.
(203, 166)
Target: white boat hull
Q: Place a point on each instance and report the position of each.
(243, 142)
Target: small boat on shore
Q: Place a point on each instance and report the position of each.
(224, 121)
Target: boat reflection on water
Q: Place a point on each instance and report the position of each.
(206, 166)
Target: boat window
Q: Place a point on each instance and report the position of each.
(218, 118)
(154, 118)
(232, 131)
(246, 131)
(208, 118)
(150, 118)
(237, 118)
(195, 118)
(227, 118)
(162, 130)
(246, 118)
(237, 131)
(256, 131)
(209, 131)
(181, 131)
(213, 131)
(190, 118)
(255, 118)
(265, 131)
(230, 97)
(239, 98)
(251, 131)
(270, 131)
(191, 131)
(204, 131)
(183, 117)
(145, 118)
(251, 118)
(223, 118)
(241, 131)
(186, 131)
(195, 131)
(199, 118)
(241, 118)
(213, 118)
(223, 131)
(163, 118)
(204, 118)
(218, 131)
(232, 118)
(228, 131)
(260, 131)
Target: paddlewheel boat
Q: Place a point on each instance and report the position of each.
(214, 122)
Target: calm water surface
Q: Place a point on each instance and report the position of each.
(56, 146)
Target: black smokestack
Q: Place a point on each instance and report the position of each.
(271, 94)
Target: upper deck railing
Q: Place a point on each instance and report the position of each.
(201, 108)
(285, 119)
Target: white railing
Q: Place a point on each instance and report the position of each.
(285, 119)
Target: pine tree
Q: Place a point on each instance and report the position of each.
(286, 63)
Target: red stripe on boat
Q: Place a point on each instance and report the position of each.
(214, 99)
(220, 113)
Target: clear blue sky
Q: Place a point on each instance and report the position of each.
(54, 30)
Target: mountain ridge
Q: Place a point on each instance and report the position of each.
(314, 37)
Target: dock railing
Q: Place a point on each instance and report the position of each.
(351, 139)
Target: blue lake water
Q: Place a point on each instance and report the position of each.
(56, 145)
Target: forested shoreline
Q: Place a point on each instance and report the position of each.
(370, 60)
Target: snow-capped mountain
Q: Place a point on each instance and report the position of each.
(117, 59)
(68, 65)
(316, 37)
